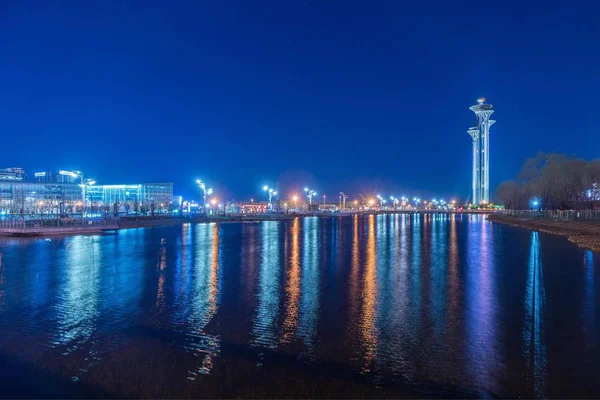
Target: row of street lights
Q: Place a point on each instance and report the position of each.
(402, 202)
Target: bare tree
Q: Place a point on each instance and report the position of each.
(557, 181)
(508, 194)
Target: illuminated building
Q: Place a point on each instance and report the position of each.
(12, 174)
(18, 197)
(54, 177)
(60, 193)
(132, 198)
(481, 151)
(251, 208)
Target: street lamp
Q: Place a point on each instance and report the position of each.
(295, 198)
(83, 183)
(343, 199)
(381, 201)
(417, 201)
(272, 192)
(310, 194)
(205, 192)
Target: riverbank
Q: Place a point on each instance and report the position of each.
(67, 227)
(583, 234)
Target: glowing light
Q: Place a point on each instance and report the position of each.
(68, 173)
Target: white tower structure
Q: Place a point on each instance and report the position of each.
(481, 151)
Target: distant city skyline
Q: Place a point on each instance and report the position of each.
(335, 95)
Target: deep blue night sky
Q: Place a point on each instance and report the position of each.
(338, 95)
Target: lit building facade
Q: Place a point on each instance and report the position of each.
(18, 197)
(33, 198)
(131, 198)
(250, 208)
(12, 174)
(481, 152)
(54, 177)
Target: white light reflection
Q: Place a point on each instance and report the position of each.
(534, 325)
(204, 298)
(77, 306)
(309, 300)
(264, 330)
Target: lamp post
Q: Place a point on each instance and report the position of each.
(205, 192)
(536, 205)
(417, 201)
(310, 193)
(272, 192)
(82, 184)
(381, 201)
(295, 198)
(343, 199)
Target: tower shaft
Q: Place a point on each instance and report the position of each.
(481, 151)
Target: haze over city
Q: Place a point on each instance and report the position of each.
(337, 95)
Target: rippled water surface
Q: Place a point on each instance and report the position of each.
(365, 306)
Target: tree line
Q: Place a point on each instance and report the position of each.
(555, 181)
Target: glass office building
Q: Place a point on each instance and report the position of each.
(131, 198)
(68, 198)
(33, 198)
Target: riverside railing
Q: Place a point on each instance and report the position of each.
(55, 223)
(592, 216)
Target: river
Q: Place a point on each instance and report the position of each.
(358, 306)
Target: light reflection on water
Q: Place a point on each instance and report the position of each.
(368, 329)
(309, 296)
(534, 330)
(292, 289)
(77, 306)
(205, 299)
(420, 305)
(265, 321)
